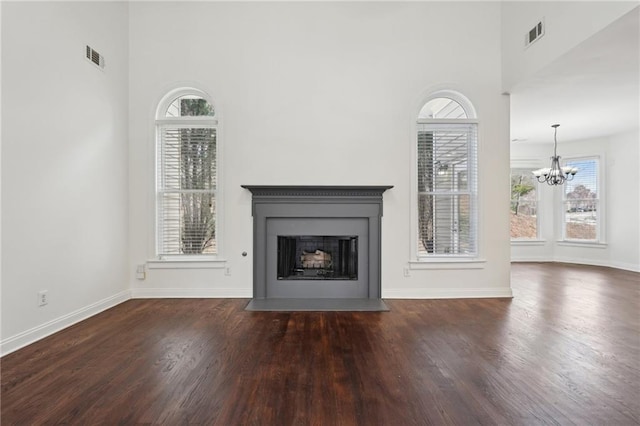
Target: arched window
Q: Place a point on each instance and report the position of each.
(447, 177)
(186, 174)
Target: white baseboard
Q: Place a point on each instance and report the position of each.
(446, 293)
(625, 266)
(532, 259)
(168, 293)
(34, 334)
(579, 261)
(606, 263)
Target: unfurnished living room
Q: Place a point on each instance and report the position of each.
(320, 213)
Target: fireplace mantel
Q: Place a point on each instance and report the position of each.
(317, 190)
(312, 193)
(349, 207)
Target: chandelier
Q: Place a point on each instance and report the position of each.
(555, 175)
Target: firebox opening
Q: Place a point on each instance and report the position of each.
(322, 257)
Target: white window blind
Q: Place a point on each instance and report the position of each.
(524, 204)
(447, 182)
(582, 202)
(186, 189)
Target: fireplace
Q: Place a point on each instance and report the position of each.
(317, 257)
(316, 247)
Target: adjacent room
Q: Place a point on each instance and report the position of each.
(300, 212)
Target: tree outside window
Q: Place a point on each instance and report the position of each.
(524, 205)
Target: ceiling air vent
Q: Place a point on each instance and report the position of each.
(534, 33)
(95, 57)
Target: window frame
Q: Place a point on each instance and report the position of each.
(162, 122)
(600, 210)
(440, 260)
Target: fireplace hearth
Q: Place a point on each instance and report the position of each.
(316, 247)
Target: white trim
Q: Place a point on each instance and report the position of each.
(448, 263)
(581, 261)
(593, 262)
(187, 123)
(475, 197)
(168, 293)
(528, 242)
(540, 258)
(41, 331)
(601, 192)
(447, 293)
(186, 263)
(447, 121)
(585, 244)
(625, 266)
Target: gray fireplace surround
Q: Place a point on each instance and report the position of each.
(347, 213)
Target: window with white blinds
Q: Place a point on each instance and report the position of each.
(447, 182)
(187, 178)
(581, 201)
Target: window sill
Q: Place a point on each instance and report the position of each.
(188, 263)
(528, 242)
(442, 263)
(587, 244)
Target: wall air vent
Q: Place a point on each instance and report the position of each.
(95, 57)
(534, 34)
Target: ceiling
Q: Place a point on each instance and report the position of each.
(592, 91)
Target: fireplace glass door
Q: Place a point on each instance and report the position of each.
(317, 257)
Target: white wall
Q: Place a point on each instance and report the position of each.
(64, 165)
(620, 158)
(0, 173)
(319, 93)
(567, 23)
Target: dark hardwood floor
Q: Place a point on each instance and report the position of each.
(565, 350)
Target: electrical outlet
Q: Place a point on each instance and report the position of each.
(407, 272)
(43, 298)
(227, 271)
(141, 273)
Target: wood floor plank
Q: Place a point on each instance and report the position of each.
(565, 350)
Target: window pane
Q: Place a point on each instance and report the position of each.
(524, 204)
(186, 184)
(425, 161)
(581, 219)
(445, 224)
(446, 185)
(425, 224)
(442, 108)
(443, 153)
(581, 201)
(189, 106)
(188, 223)
(188, 158)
